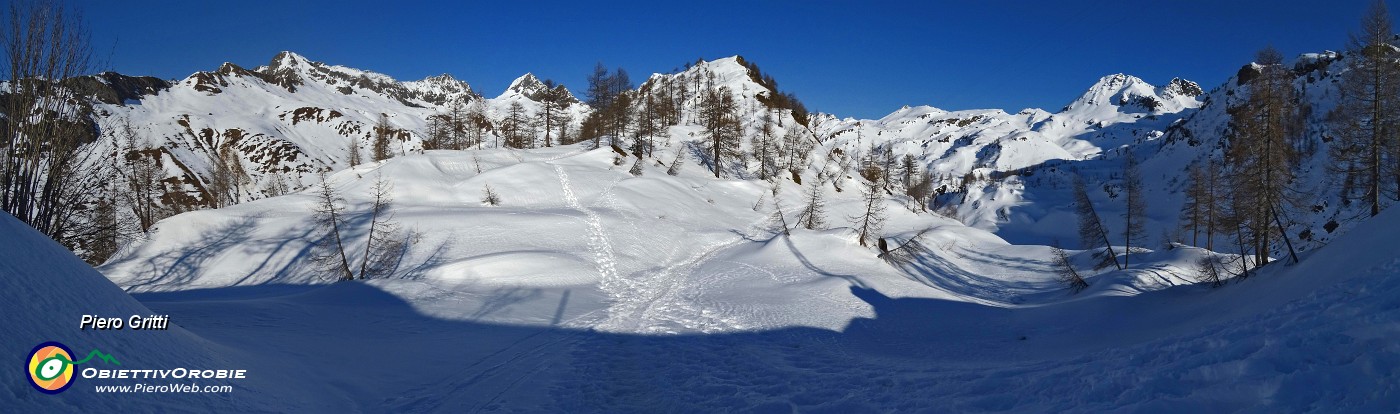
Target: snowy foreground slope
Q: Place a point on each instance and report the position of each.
(45, 290)
(591, 290)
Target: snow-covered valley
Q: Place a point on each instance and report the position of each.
(622, 293)
(631, 274)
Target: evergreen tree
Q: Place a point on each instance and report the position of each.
(611, 104)
(619, 117)
(107, 228)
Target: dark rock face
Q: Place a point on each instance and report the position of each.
(1246, 74)
(116, 88)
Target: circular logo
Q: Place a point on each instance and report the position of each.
(50, 367)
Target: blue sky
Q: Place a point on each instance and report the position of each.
(850, 58)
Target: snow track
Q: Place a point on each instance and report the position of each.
(648, 300)
(601, 248)
(658, 305)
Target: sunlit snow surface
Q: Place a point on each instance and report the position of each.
(590, 290)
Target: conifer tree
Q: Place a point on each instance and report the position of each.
(489, 196)
(354, 152)
(1208, 271)
(553, 98)
(383, 131)
(384, 245)
(778, 220)
(458, 122)
(765, 146)
(330, 218)
(1367, 118)
(440, 134)
(142, 172)
(869, 223)
(813, 215)
(1202, 208)
(1135, 210)
(1092, 233)
(1262, 150)
(719, 115)
(515, 128)
(227, 176)
(675, 167)
(1064, 268)
(908, 170)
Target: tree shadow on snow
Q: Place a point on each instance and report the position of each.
(921, 264)
(181, 265)
(420, 363)
(913, 354)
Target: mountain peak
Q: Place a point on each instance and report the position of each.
(526, 84)
(1182, 87)
(1127, 93)
(446, 77)
(288, 60)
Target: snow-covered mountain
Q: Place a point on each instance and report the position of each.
(558, 296)
(1117, 110)
(997, 171)
(1033, 205)
(286, 120)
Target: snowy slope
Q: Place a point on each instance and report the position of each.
(46, 291)
(561, 298)
(294, 117)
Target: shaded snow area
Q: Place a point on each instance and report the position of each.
(589, 289)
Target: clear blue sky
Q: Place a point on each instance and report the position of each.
(851, 58)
